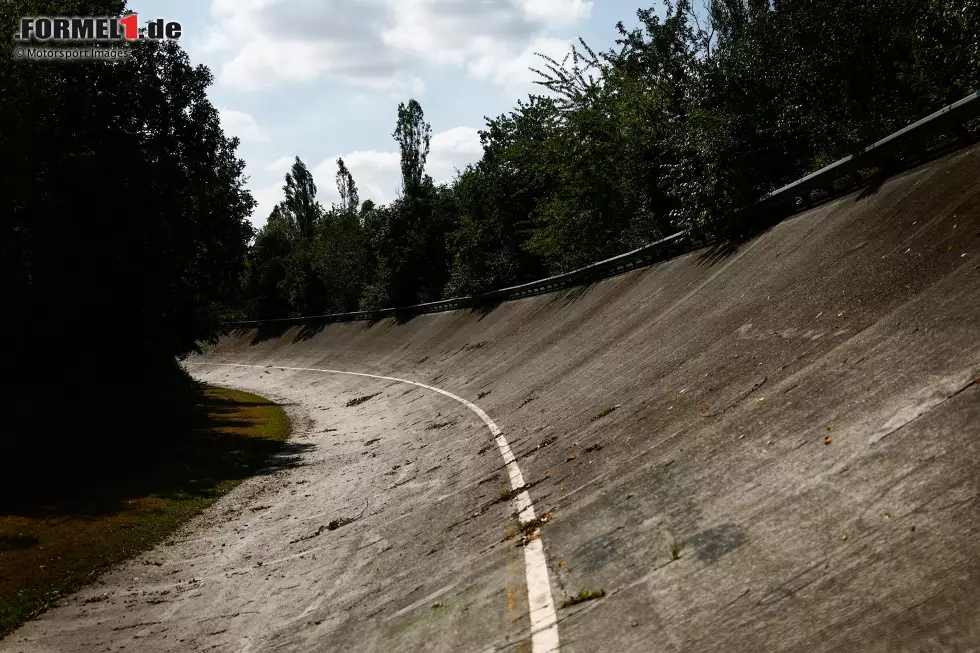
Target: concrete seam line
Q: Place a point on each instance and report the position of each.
(541, 604)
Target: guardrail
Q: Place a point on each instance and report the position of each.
(835, 179)
(639, 257)
(888, 153)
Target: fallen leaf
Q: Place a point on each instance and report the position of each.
(704, 410)
(630, 438)
(844, 536)
(830, 427)
(827, 440)
(888, 516)
(950, 248)
(570, 458)
(561, 563)
(438, 605)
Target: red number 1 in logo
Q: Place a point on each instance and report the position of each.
(129, 22)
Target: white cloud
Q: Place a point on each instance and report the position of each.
(378, 173)
(458, 140)
(279, 165)
(563, 11)
(267, 198)
(515, 73)
(378, 44)
(452, 150)
(242, 125)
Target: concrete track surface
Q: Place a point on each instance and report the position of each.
(771, 449)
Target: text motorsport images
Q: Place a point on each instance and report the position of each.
(55, 34)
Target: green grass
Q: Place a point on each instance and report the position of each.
(54, 544)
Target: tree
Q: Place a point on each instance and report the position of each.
(349, 201)
(301, 202)
(128, 215)
(265, 279)
(410, 236)
(413, 135)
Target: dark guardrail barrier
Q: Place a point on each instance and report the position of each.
(935, 134)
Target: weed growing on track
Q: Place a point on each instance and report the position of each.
(508, 495)
(334, 524)
(674, 546)
(604, 412)
(360, 400)
(528, 530)
(438, 425)
(583, 596)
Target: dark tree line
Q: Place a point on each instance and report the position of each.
(692, 116)
(125, 234)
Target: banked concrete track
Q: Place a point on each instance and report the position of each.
(775, 449)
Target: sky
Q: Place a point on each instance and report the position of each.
(322, 79)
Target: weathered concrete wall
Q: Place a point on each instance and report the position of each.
(858, 322)
(801, 417)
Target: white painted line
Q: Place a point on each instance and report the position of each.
(541, 605)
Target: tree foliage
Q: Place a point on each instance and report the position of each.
(413, 135)
(692, 116)
(126, 234)
(346, 188)
(301, 203)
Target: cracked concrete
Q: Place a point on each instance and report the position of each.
(800, 418)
